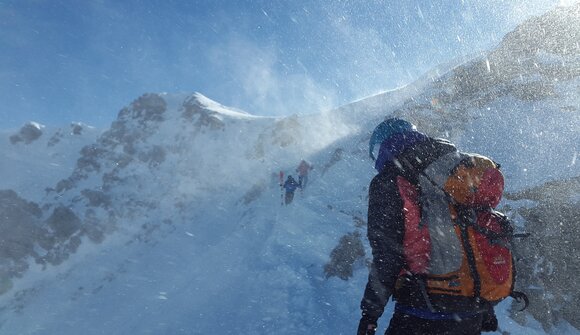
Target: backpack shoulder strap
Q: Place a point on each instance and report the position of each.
(438, 171)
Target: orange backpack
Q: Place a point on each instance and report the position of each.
(454, 239)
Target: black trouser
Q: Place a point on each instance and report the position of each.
(403, 324)
(289, 197)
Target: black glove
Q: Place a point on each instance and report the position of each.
(489, 322)
(367, 326)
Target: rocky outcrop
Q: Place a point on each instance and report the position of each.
(343, 257)
(202, 117)
(529, 59)
(549, 259)
(21, 233)
(29, 133)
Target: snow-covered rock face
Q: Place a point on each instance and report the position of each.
(32, 131)
(549, 262)
(163, 153)
(517, 104)
(28, 133)
(556, 32)
(37, 157)
(199, 181)
(528, 64)
(21, 232)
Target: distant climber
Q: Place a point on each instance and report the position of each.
(290, 186)
(303, 170)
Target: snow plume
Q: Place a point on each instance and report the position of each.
(276, 88)
(371, 61)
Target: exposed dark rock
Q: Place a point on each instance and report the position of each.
(29, 133)
(76, 129)
(64, 184)
(89, 160)
(344, 255)
(55, 139)
(148, 107)
(334, 158)
(193, 111)
(154, 156)
(549, 256)
(20, 232)
(63, 222)
(254, 193)
(97, 198)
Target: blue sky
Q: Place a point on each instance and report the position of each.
(72, 60)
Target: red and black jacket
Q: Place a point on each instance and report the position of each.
(386, 223)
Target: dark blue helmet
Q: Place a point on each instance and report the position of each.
(386, 129)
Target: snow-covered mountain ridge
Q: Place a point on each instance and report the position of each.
(37, 156)
(170, 221)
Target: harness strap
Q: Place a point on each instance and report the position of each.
(425, 295)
